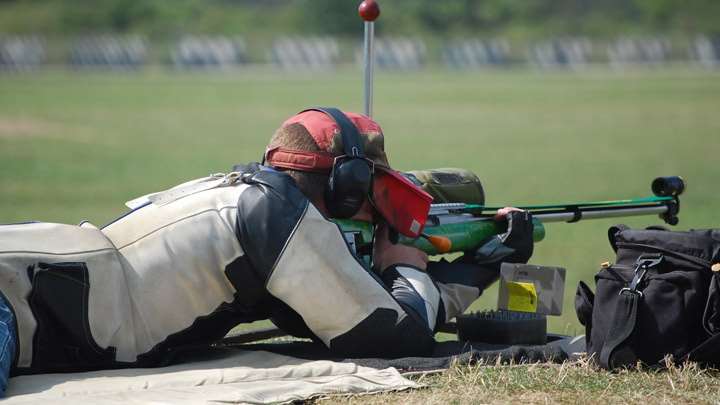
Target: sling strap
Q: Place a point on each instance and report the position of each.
(614, 352)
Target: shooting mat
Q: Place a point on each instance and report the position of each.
(220, 375)
(267, 373)
(558, 349)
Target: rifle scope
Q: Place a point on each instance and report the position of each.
(669, 186)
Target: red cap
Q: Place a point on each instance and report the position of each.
(326, 133)
(323, 128)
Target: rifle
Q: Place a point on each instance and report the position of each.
(459, 227)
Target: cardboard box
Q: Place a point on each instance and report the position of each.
(531, 288)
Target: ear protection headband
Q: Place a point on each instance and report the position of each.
(351, 174)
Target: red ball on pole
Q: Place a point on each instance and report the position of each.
(369, 10)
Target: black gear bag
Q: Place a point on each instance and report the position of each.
(659, 298)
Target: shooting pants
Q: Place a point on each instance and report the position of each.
(7, 343)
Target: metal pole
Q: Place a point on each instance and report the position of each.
(369, 10)
(368, 58)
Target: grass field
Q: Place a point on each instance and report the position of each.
(568, 383)
(75, 146)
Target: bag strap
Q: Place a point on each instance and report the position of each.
(614, 353)
(623, 324)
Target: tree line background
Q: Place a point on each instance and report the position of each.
(445, 18)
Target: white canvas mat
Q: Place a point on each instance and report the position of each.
(242, 377)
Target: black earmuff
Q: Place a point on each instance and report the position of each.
(351, 176)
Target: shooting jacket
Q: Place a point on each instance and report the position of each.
(190, 263)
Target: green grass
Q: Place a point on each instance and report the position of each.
(76, 145)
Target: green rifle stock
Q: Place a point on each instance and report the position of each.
(462, 236)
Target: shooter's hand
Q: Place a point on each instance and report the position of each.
(386, 254)
(514, 245)
(519, 234)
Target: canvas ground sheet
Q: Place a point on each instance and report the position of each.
(238, 376)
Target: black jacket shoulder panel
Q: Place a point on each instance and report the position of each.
(267, 215)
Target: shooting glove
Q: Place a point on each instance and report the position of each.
(513, 246)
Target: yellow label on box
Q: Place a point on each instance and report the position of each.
(522, 297)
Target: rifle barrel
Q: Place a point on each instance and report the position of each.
(595, 213)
